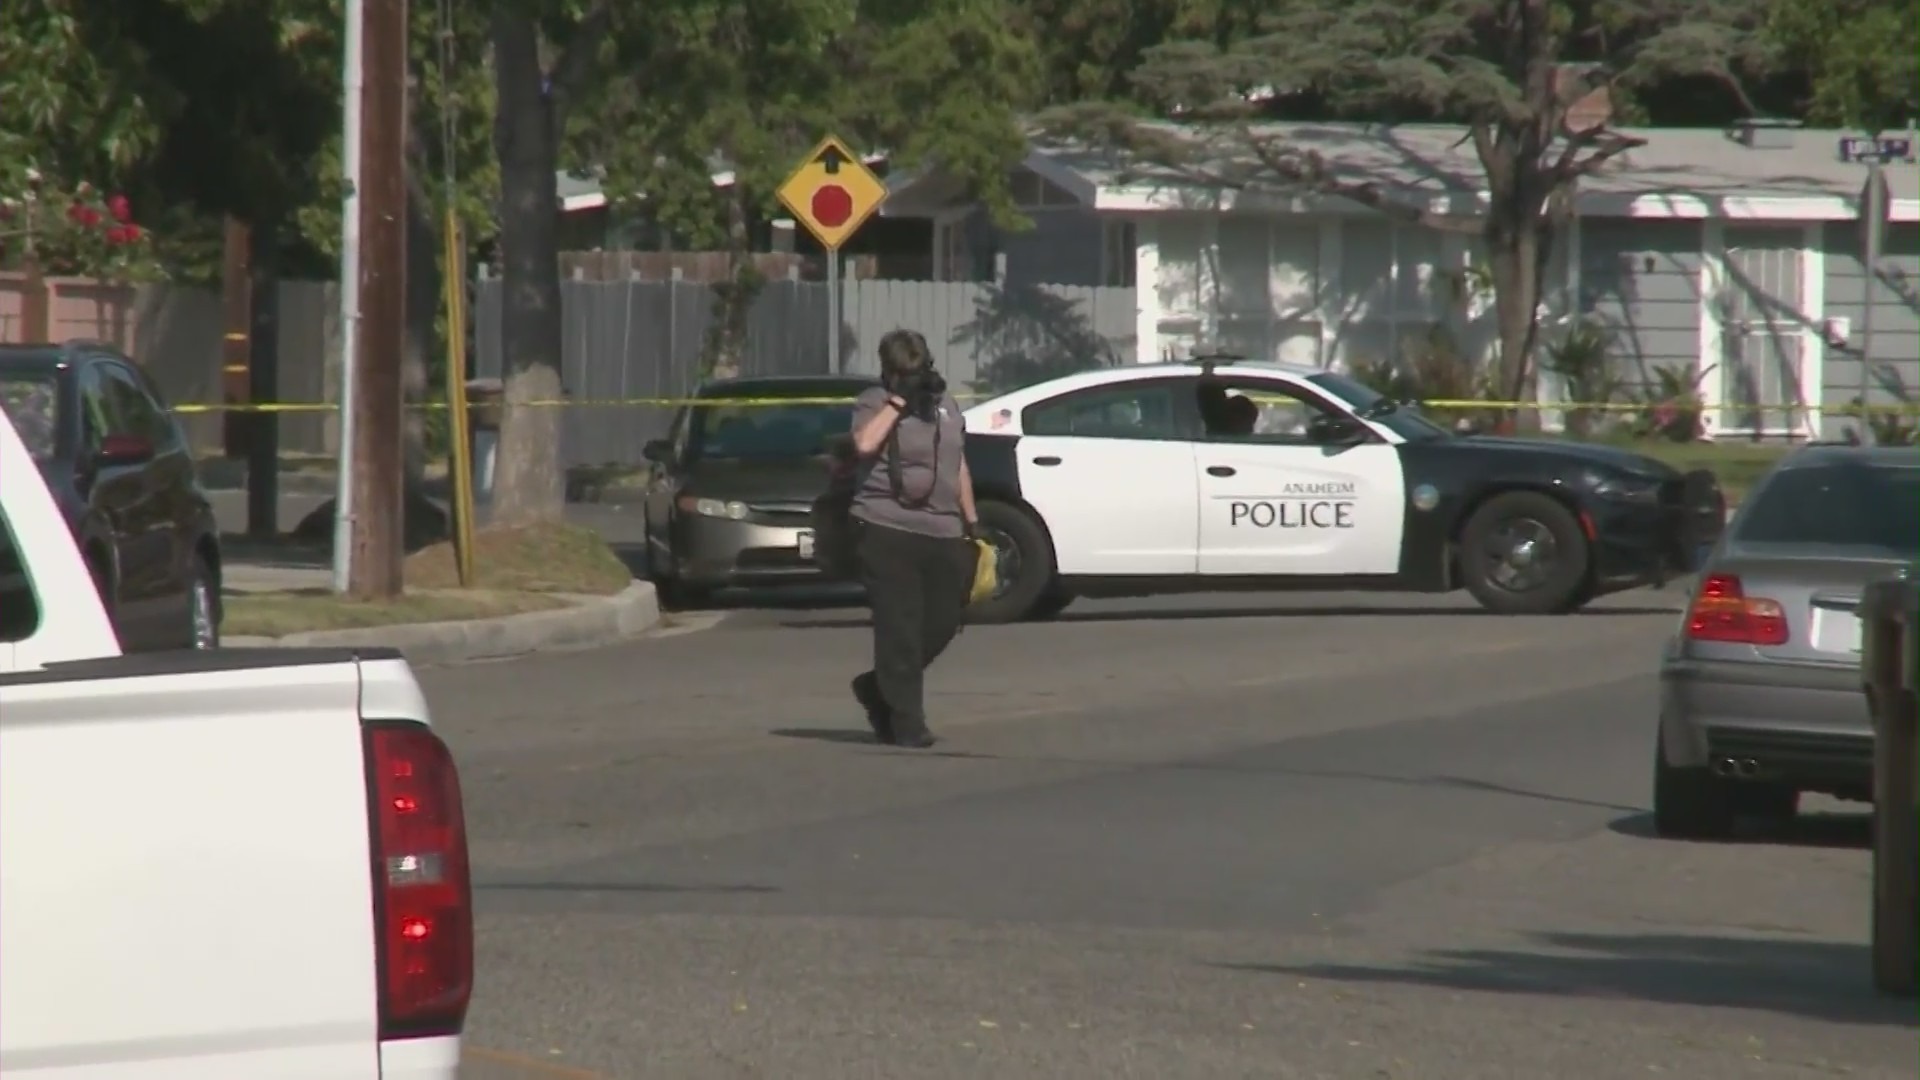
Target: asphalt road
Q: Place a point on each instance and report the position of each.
(1315, 836)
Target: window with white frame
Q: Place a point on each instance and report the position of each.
(1395, 287)
(1118, 243)
(1245, 282)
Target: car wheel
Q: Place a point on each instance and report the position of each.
(1689, 803)
(1024, 560)
(1522, 553)
(679, 595)
(1051, 603)
(203, 606)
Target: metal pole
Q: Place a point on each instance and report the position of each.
(352, 80)
(834, 363)
(1873, 228)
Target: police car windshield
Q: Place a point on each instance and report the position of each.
(1401, 419)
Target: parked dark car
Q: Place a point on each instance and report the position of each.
(121, 470)
(734, 481)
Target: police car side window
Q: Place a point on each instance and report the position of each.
(1126, 411)
(1268, 413)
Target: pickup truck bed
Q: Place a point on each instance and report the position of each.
(208, 870)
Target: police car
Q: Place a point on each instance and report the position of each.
(1221, 474)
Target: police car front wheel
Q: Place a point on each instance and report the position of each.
(1523, 553)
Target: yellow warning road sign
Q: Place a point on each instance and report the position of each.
(832, 193)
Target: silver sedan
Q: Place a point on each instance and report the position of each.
(1760, 688)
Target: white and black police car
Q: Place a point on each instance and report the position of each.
(1220, 474)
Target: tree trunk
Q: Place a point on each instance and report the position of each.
(726, 344)
(528, 485)
(1515, 257)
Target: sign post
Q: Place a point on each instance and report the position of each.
(832, 193)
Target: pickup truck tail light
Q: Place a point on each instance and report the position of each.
(422, 887)
(1722, 611)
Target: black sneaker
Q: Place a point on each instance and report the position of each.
(866, 691)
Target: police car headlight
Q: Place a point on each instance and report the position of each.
(1625, 489)
(713, 508)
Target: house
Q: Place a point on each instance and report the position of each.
(1732, 257)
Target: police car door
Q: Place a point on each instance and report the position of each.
(1110, 469)
(1273, 502)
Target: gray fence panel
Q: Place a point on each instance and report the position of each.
(644, 339)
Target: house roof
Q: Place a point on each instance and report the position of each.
(1679, 172)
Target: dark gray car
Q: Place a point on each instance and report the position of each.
(730, 500)
(1760, 688)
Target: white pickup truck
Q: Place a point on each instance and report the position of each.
(217, 865)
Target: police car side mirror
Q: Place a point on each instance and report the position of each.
(658, 451)
(1330, 430)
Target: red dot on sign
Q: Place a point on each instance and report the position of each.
(832, 205)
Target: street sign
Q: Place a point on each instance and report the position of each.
(832, 193)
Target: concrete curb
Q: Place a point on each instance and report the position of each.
(592, 620)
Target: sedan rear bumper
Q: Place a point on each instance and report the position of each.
(1796, 723)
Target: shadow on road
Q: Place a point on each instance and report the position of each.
(1818, 980)
(832, 735)
(1822, 830)
(1321, 611)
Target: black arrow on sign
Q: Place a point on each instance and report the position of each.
(832, 159)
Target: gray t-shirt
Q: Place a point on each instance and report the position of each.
(920, 471)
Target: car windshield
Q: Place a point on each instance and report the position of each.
(1845, 504)
(766, 431)
(1403, 419)
(30, 400)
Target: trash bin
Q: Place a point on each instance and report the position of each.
(486, 402)
(1889, 659)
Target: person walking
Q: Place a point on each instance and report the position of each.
(913, 518)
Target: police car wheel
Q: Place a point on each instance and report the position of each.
(1051, 603)
(1026, 564)
(1522, 553)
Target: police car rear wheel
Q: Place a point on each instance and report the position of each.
(1025, 564)
(1522, 553)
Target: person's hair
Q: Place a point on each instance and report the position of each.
(906, 368)
(904, 352)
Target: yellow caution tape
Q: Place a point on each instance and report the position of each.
(712, 403)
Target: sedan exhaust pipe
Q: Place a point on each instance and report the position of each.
(1735, 768)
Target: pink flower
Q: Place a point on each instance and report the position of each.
(121, 210)
(117, 235)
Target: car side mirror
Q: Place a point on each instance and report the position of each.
(120, 450)
(1330, 430)
(658, 451)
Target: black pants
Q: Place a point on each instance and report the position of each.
(917, 586)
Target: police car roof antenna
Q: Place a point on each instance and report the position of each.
(1211, 358)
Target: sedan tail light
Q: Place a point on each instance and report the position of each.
(1722, 611)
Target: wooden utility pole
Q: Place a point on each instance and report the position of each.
(378, 448)
(236, 295)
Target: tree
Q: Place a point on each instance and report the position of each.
(1859, 56)
(747, 87)
(1510, 71)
